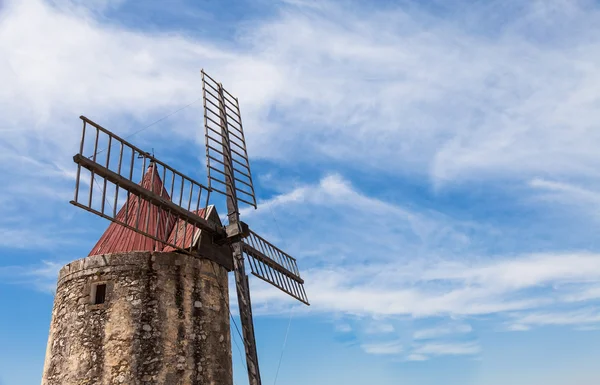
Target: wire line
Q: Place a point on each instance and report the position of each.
(284, 345)
(156, 121)
(291, 310)
(163, 118)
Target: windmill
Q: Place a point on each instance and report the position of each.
(180, 205)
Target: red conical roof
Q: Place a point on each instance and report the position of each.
(118, 238)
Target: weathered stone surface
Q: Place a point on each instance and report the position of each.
(165, 321)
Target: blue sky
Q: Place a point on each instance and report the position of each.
(432, 166)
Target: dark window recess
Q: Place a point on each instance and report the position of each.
(100, 295)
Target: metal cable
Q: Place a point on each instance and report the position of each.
(105, 199)
(284, 345)
(291, 310)
(157, 121)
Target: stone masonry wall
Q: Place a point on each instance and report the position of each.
(165, 320)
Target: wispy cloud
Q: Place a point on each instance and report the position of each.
(32, 236)
(584, 293)
(379, 295)
(384, 348)
(581, 317)
(441, 331)
(360, 281)
(567, 188)
(361, 217)
(438, 349)
(40, 276)
(379, 328)
(416, 357)
(465, 114)
(397, 92)
(343, 328)
(571, 196)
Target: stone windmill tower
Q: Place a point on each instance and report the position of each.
(150, 303)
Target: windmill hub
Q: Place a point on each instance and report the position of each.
(237, 231)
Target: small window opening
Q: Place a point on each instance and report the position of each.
(98, 293)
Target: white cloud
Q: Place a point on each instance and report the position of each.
(584, 316)
(518, 327)
(486, 289)
(438, 349)
(379, 328)
(585, 293)
(442, 330)
(517, 273)
(363, 219)
(41, 277)
(364, 278)
(417, 357)
(411, 279)
(438, 98)
(570, 195)
(567, 188)
(383, 348)
(410, 96)
(380, 92)
(343, 328)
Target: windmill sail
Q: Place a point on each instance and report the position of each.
(229, 174)
(224, 137)
(107, 167)
(274, 266)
